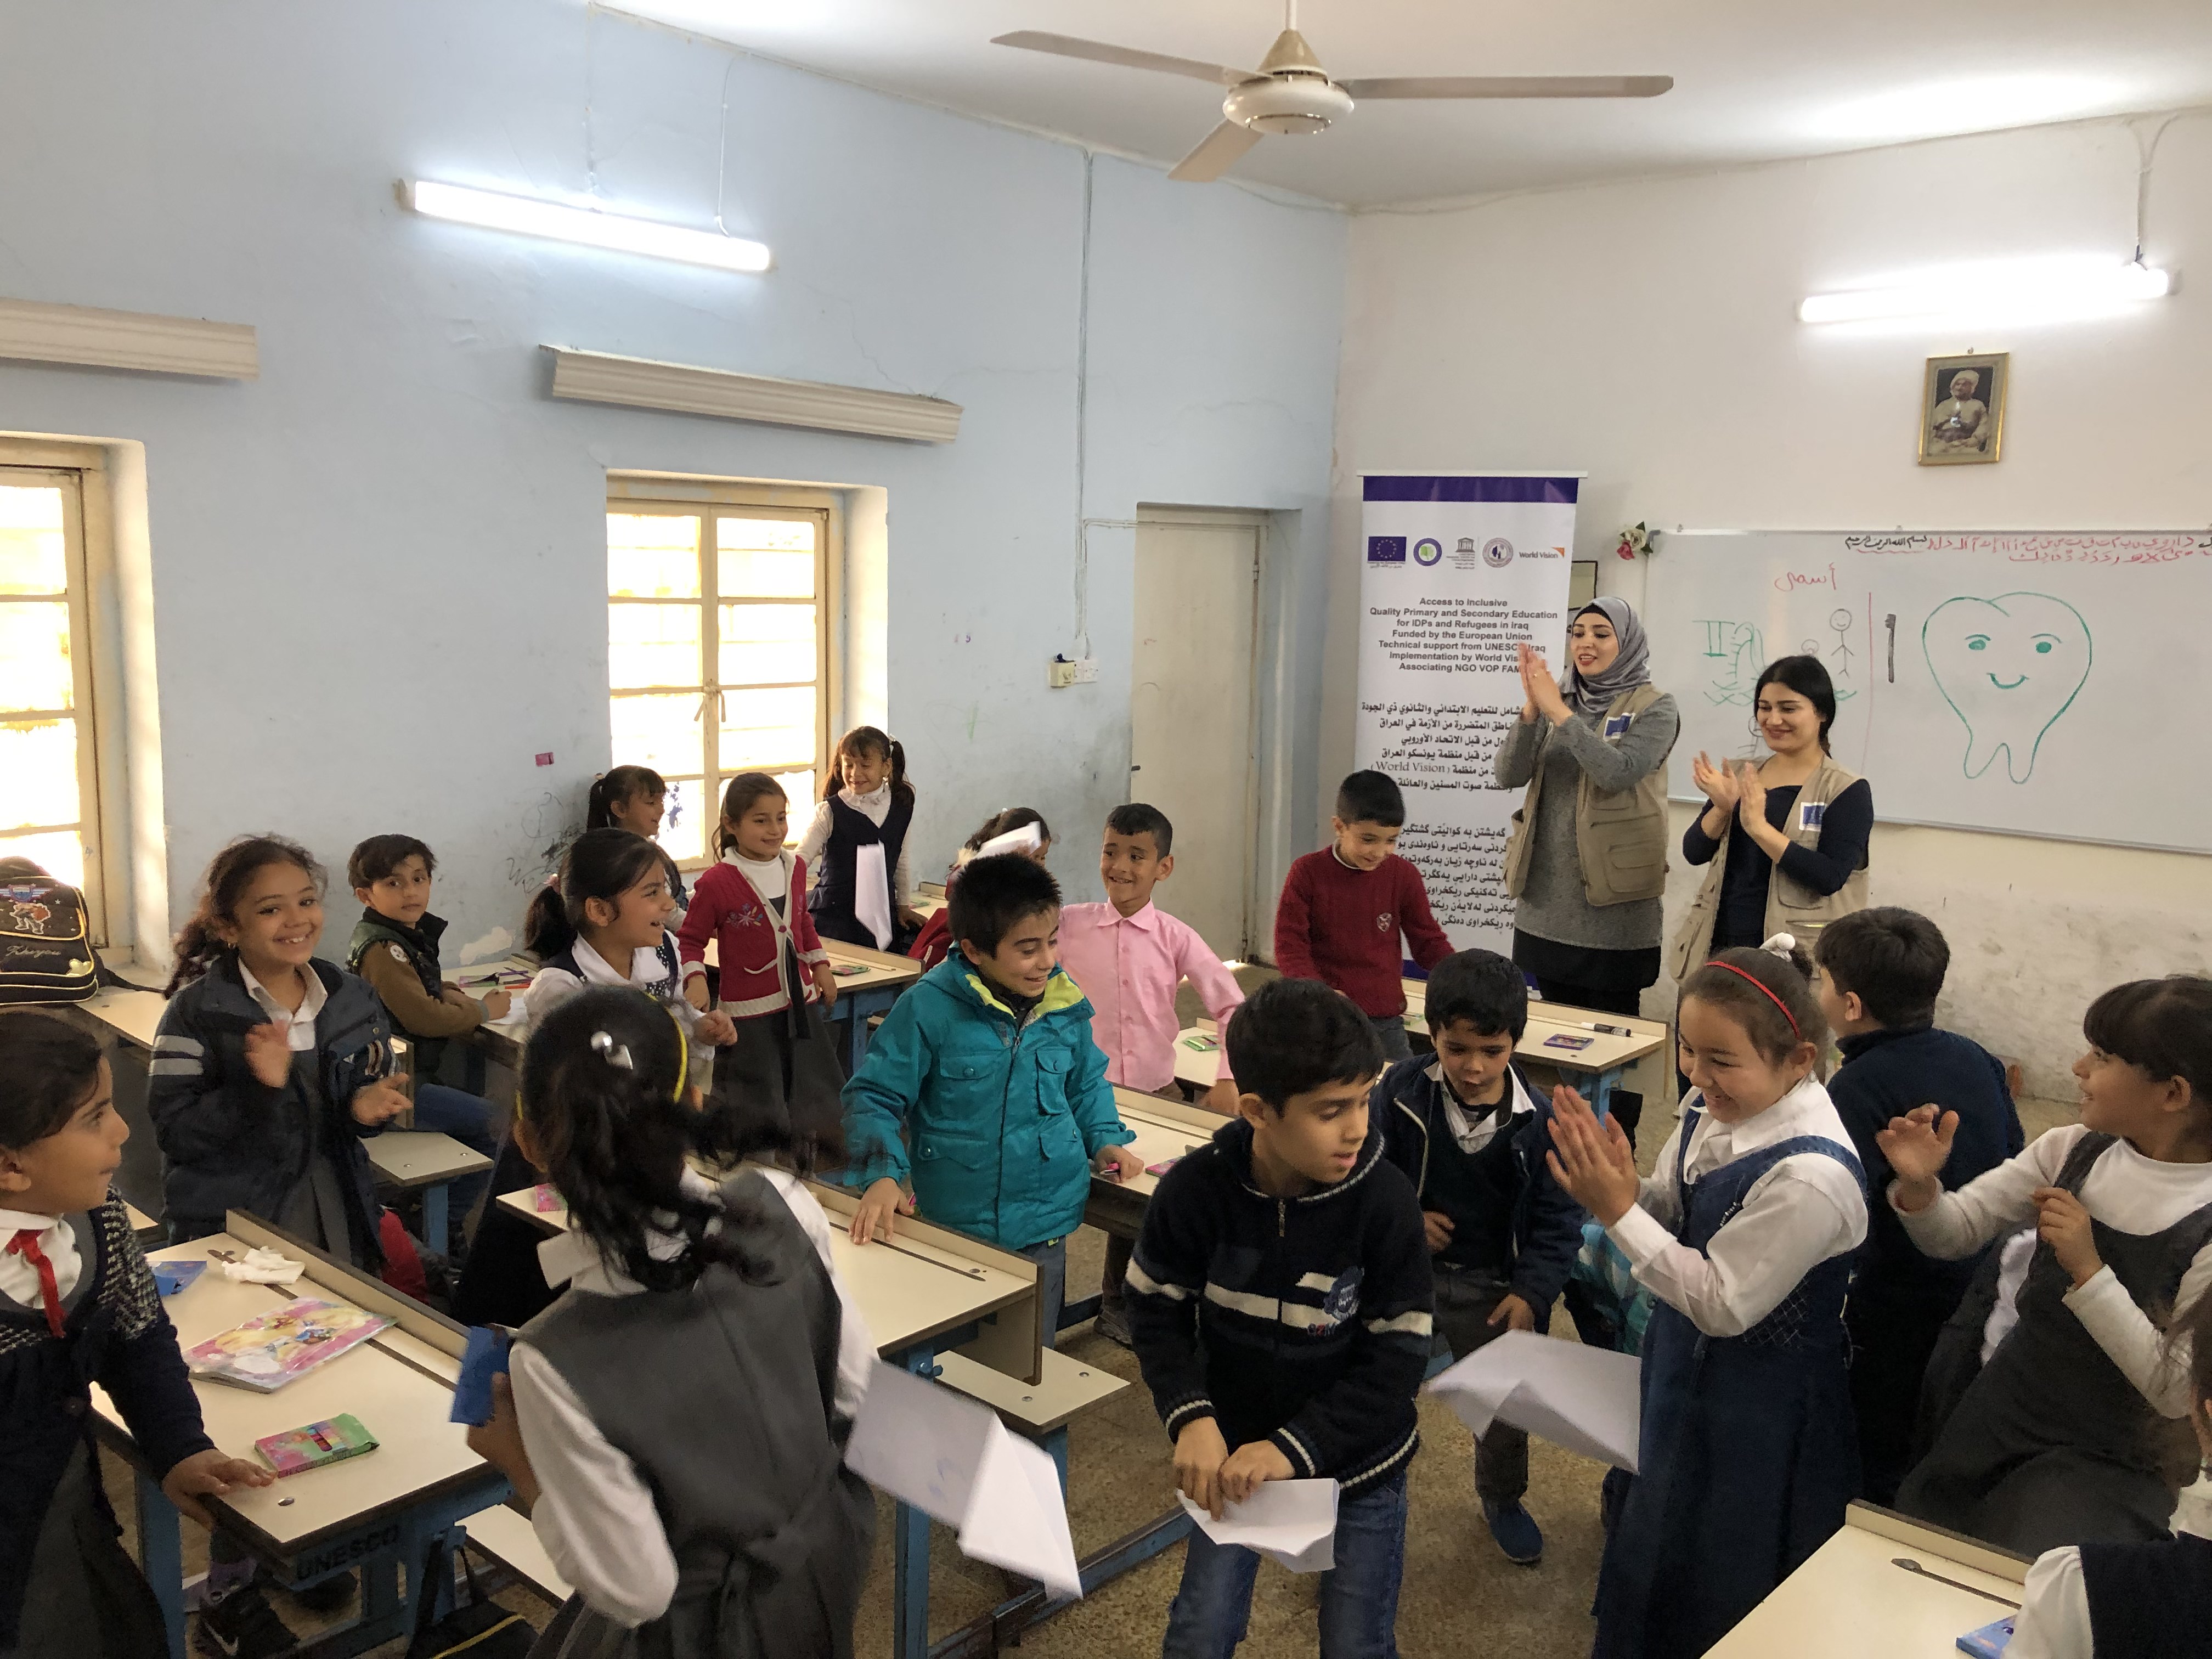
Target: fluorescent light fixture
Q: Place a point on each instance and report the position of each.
(2011, 290)
(528, 216)
(1977, 104)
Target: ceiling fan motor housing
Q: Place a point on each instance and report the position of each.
(1284, 104)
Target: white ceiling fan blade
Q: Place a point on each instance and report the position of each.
(1218, 152)
(1097, 51)
(1511, 86)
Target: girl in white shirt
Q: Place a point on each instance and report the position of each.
(2072, 1431)
(857, 844)
(2120, 1601)
(605, 923)
(1747, 1455)
(688, 1399)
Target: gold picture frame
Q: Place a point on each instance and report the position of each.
(1964, 428)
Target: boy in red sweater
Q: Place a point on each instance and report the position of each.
(1344, 908)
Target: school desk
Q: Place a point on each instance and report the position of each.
(1558, 1037)
(884, 979)
(378, 1513)
(422, 1160)
(1854, 1600)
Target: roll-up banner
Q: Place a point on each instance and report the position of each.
(1456, 572)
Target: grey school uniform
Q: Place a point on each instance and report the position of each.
(723, 1396)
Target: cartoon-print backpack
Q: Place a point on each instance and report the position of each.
(45, 945)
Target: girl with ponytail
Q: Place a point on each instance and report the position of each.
(688, 1396)
(856, 845)
(1744, 1234)
(636, 798)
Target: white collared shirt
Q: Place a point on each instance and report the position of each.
(19, 1279)
(551, 987)
(595, 1513)
(1804, 1210)
(2054, 1612)
(298, 1024)
(2125, 1191)
(1469, 1134)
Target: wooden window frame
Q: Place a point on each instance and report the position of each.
(37, 466)
(706, 500)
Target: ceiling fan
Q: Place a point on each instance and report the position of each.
(1292, 92)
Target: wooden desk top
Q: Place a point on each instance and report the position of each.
(420, 1157)
(1546, 1020)
(1851, 1600)
(1164, 1130)
(926, 1281)
(884, 967)
(418, 1451)
(132, 1015)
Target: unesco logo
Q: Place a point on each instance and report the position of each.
(1497, 552)
(1428, 551)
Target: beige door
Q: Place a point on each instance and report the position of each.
(1190, 709)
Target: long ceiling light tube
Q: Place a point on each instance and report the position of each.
(527, 215)
(2031, 288)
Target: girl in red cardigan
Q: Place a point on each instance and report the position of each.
(775, 976)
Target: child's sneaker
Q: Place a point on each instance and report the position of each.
(1516, 1531)
(243, 1625)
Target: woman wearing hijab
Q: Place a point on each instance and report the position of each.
(1587, 860)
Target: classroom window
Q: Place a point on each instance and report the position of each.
(49, 810)
(718, 653)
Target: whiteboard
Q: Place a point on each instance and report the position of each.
(2037, 683)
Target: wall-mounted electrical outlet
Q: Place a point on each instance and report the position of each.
(1062, 673)
(1086, 670)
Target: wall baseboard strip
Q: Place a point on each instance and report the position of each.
(595, 378)
(32, 332)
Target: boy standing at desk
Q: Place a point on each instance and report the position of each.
(1129, 959)
(1881, 974)
(1280, 1297)
(988, 1064)
(1343, 908)
(1469, 1134)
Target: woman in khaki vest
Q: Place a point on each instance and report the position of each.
(1785, 842)
(1587, 861)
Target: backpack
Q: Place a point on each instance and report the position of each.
(45, 943)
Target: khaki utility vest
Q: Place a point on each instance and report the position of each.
(1792, 908)
(1620, 835)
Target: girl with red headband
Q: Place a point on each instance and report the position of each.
(1748, 1454)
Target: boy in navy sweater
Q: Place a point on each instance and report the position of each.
(1880, 972)
(1470, 1134)
(1343, 909)
(1280, 1300)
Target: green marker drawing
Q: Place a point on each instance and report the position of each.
(2008, 667)
(1737, 645)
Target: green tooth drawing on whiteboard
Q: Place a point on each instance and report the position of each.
(2008, 667)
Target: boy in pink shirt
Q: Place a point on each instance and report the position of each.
(1130, 959)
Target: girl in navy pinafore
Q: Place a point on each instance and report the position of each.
(856, 846)
(1747, 1455)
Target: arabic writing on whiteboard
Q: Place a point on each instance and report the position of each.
(2026, 548)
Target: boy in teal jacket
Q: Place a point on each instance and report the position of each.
(989, 1065)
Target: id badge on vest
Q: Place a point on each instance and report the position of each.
(1616, 726)
(1810, 814)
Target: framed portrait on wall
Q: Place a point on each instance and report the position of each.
(1962, 402)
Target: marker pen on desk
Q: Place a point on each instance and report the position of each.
(1610, 1030)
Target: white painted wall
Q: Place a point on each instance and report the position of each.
(378, 570)
(1646, 332)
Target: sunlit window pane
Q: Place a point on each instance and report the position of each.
(767, 644)
(33, 559)
(767, 729)
(662, 731)
(38, 760)
(765, 558)
(35, 657)
(60, 853)
(652, 555)
(653, 644)
(685, 819)
(799, 788)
